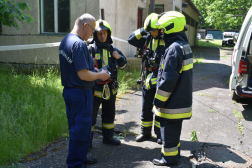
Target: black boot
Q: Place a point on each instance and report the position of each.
(160, 162)
(159, 140)
(111, 141)
(91, 142)
(141, 137)
(91, 160)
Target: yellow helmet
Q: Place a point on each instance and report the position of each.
(150, 22)
(103, 25)
(171, 22)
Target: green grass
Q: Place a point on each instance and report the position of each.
(127, 80)
(32, 113)
(210, 43)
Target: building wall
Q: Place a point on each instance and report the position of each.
(30, 34)
(122, 16)
(192, 31)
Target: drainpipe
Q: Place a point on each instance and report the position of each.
(102, 14)
(152, 6)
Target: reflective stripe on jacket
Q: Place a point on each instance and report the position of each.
(174, 83)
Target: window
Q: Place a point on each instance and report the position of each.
(188, 19)
(192, 23)
(55, 16)
(177, 9)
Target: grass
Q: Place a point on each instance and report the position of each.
(210, 43)
(32, 113)
(127, 80)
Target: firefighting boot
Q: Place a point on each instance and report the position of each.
(141, 137)
(159, 140)
(111, 141)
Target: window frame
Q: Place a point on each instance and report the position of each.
(56, 28)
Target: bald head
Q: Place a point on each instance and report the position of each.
(85, 18)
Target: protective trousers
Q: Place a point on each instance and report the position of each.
(147, 113)
(108, 114)
(170, 133)
(79, 108)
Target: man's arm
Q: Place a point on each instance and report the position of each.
(87, 75)
(138, 38)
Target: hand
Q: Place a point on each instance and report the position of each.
(116, 55)
(157, 107)
(96, 69)
(104, 75)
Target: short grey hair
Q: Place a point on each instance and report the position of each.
(85, 18)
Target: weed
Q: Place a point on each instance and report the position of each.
(198, 60)
(238, 114)
(194, 137)
(212, 111)
(224, 57)
(240, 127)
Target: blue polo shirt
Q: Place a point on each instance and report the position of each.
(74, 56)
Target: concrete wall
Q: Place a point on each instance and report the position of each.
(30, 34)
(122, 16)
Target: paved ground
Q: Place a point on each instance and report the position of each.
(223, 127)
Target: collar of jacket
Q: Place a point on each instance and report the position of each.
(170, 38)
(102, 45)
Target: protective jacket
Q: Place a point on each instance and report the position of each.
(174, 83)
(152, 56)
(102, 56)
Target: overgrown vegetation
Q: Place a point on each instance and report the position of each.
(32, 113)
(210, 43)
(127, 80)
(32, 110)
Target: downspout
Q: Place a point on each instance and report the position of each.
(129, 33)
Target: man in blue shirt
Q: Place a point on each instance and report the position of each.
(78, 76)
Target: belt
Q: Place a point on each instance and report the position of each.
(103, 82)
(151, 68)
(83, 87)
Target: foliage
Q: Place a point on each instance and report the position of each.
(12, 11)
(222, 14)
(32, 113)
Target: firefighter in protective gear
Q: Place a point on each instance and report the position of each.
(149, 36)
(173, 98)
(105, 57)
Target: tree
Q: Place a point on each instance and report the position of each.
(223, 14)
(12, 11)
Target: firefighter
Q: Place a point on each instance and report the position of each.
(149, 36)
(106, 57)
(173, 98)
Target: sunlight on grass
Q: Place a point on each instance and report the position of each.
(32, 113)
(210, 43)
(32, 110)
(127, 80)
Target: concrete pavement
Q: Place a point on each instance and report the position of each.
(223, 127)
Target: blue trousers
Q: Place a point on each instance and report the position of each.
(79, 109)
(147, 113)
(170, 133)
